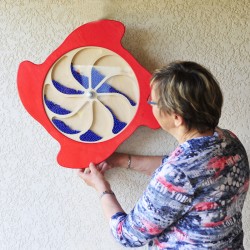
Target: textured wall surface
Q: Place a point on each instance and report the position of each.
(44, 206)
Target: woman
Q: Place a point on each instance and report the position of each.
(195, 196)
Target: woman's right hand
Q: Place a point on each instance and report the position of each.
(103, 167)
(115, 160)
(142, 164)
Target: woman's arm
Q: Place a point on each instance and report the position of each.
(153, 213)
(142, 164)
(94, 178)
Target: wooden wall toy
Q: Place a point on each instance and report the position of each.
(90, 94)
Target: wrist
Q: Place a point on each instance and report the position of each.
(129, 162)
(108, 192)
(103, 187)
(118, 160)
(124, 160)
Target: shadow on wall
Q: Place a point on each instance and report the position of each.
(139, 43)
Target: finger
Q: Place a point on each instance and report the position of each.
(104, 167)
(87, 171)
(92, 167)
(83, 173)
(101, 165)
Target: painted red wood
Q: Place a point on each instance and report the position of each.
(30, 80)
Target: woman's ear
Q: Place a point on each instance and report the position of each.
(178, 120)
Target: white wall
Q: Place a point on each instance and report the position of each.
(45, 206)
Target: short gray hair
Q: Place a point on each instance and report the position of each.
(191, 91)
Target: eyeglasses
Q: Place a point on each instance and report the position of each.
(149, 101)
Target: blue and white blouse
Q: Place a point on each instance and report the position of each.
(194, 199)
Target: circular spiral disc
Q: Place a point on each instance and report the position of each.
(91, 94)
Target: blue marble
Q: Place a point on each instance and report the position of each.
(96, 77)
(118, 125)
(55, 108)
(63, 127)
(65, 90)
(106, 88)
(90, 136)
(83, 80)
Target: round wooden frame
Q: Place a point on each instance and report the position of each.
(30, 80)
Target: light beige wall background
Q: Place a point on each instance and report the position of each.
(44, 206)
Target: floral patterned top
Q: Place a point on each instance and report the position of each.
(194, 199)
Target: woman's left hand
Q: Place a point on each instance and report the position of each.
(94, 178)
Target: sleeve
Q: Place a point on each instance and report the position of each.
(164, 158)
(167, 197)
